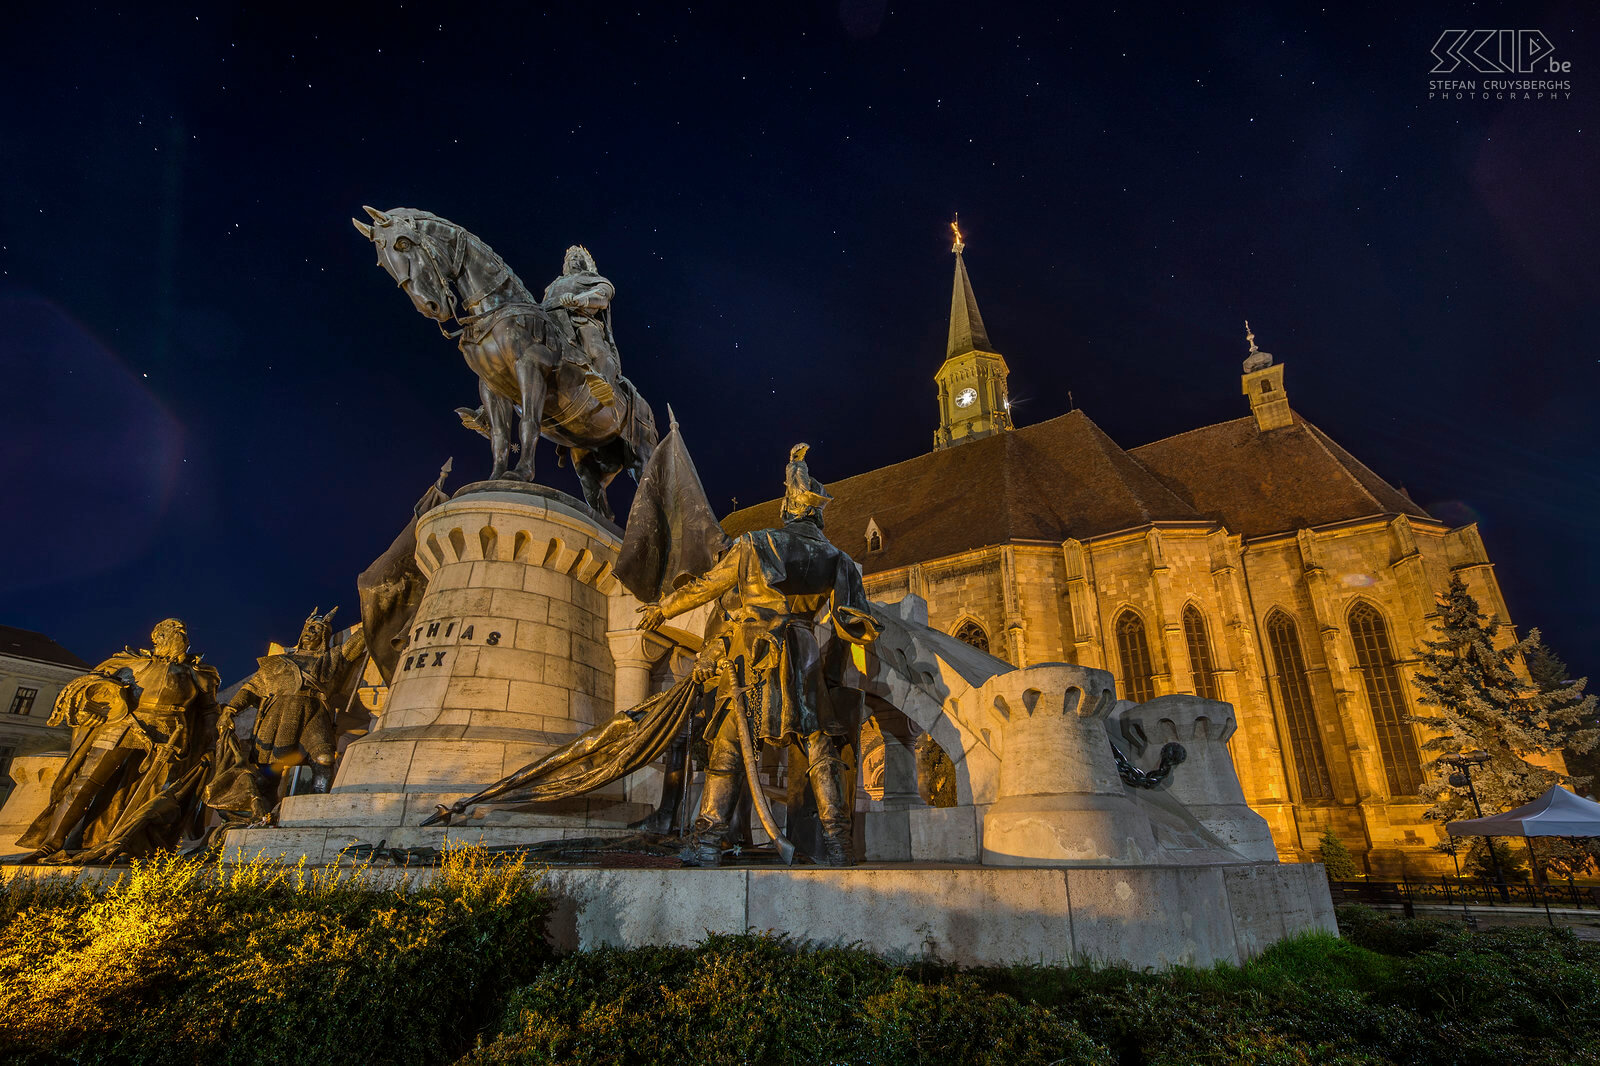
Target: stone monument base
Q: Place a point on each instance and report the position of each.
(1148, 917)
(325, 825)
(1143, 916)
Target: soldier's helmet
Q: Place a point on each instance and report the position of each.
(317, 629)
(803, 494)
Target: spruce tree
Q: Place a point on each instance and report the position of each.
(1480, 697)
(1337, 861)
(1547, 670)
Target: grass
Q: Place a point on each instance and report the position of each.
(181, 963)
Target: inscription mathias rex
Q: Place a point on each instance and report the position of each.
(428, 658)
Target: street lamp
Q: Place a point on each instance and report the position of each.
(1462, 778)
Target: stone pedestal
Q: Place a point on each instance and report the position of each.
(33, 774)
(1206, 782)
(1061, 801)
(507, 659)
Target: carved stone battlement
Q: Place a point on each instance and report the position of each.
(1206, 783)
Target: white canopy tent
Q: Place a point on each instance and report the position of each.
(1557, 813)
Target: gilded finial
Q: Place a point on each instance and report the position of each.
(1256, 359)
(955, 227)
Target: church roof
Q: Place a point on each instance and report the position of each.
(1257, 483)
(26, 644)
(1047, 483)
(967, 333)
(1066, 479)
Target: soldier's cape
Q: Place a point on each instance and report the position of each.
(672, 533)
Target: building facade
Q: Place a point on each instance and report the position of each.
(33, 669)
(1253, 561)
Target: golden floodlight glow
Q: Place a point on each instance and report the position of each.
(955, 227)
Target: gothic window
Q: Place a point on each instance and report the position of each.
(875, 542)
(1396, 742)
(1138, 682)
(22, 702)
(1294, 692)
(972, 633)
(1200, 662)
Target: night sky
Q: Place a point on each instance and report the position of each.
(217, 406)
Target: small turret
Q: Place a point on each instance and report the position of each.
(1263, 383)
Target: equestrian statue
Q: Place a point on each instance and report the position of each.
(552, 362)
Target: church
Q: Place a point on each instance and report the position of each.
(1253, 561)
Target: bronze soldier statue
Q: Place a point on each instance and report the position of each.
(767, 666)
(131, 785)
(295, 723)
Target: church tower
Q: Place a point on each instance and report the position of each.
(1262, 382)
(973, 402)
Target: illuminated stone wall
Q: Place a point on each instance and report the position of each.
(1040, 604)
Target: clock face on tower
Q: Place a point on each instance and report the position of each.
(967, 397)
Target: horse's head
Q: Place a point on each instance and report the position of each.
(419, 261)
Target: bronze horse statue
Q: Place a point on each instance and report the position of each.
(529, 363)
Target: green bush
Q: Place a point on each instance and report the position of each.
(1321, 999)
(741, 999)
(181, 962)
(1392, 935)
(259, 964)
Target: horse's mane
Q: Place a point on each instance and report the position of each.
(416, 215)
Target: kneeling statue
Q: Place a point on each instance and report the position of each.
(295, 723)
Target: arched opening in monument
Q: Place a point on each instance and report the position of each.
(1310, 769)
(1133, 650)
(1200, 661)
(936, 773)
(1397, 744)
(901, 765)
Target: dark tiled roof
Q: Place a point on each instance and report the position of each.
(26, 644)
(1048, 482)
(1258, 483)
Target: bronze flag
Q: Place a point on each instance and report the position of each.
(672, 534)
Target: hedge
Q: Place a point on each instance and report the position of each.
(181, 963)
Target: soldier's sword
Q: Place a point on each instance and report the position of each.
(758, 797)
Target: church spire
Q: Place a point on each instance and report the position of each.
(972, 382)
(966, 324)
